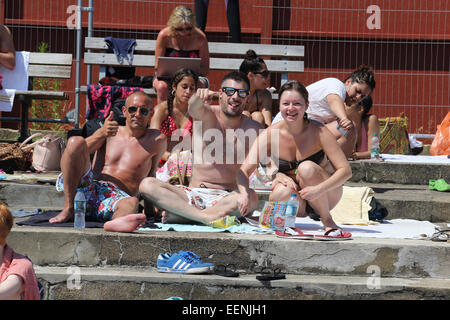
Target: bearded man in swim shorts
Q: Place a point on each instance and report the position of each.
(124, 156)
(222, 137)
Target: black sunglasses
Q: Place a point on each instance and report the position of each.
(264, 73)
(133, 110)
(183, 29)
(230, 91)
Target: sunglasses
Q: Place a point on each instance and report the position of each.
(264, 73)
(230, 91)
(143, 111)
(183, 29)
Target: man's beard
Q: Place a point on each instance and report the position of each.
(232, 113)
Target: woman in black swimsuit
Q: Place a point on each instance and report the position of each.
(300, 148)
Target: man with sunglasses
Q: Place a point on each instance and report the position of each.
(212, 192)
(124, 155)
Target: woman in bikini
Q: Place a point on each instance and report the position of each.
(309, 159)
(259, 106)
(181, 38)
(173, 114)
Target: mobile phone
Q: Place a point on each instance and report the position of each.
(342, 130)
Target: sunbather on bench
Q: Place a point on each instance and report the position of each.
(124, 156)
(181, 38)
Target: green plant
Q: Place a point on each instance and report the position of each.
(47, 109)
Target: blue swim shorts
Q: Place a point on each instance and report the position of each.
(102, 196)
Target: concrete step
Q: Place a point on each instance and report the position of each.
(62, 283)
(57, 246)
(402, 201)
(398, 172)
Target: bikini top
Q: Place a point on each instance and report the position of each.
(171, 52)
(169, 125)
(286, 166)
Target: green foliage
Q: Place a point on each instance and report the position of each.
(46, 109)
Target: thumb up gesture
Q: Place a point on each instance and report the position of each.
(110, 126)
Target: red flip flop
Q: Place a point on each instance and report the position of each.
(293, 233)
(334, 235)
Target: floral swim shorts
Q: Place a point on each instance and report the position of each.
(102, 196)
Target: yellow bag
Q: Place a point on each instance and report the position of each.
(441, 142)
(394, 135)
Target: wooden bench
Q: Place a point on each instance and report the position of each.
(42, 65)
(283, 59)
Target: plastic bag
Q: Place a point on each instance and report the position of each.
(441, 141)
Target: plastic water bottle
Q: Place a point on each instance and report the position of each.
(291, 211)
(80, 210)
(375, 148)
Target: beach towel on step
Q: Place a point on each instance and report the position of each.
(354, 206)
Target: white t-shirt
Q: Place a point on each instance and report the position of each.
(318, 108)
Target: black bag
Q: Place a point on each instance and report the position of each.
(93, 125)
(378, 211)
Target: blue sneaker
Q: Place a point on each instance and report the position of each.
(182, 262)
(163, 256)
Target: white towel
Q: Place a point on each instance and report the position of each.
(415, 159)
(13, 80)
(354, 206)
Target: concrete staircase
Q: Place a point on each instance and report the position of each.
(94, 264)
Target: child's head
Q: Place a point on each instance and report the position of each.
(6, 222)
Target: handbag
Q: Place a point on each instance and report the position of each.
(47, 152)
(394, 135)
(179, 165)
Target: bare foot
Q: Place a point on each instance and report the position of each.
(167, 217)
(127, 223)
(212, 214)
(65, 215)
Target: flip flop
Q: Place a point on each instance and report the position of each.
(441, 236)
(267, 274)
(334, 235)
(228, 270)
(293, 233)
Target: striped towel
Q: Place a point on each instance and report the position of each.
(7, 99)
(16, 79)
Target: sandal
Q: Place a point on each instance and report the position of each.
(441, 236)
(293, 233)
(268, 274)
(228, 270)
(333, 235)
